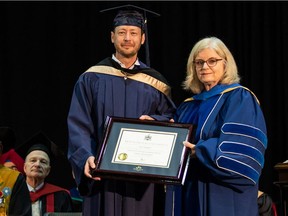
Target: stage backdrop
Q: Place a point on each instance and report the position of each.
(45, 46)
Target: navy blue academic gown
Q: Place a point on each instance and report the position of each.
(108, 90)
(230, 145)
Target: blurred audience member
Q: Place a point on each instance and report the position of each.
(14, 194)
(265, 205)
(77, 199)
(9, 157)
(12, 160)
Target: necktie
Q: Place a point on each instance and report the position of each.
(36, 207)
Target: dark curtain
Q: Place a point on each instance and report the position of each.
(45, 46)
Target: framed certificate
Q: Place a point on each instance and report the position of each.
(141, 150)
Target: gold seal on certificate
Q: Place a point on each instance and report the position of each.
(122, 156)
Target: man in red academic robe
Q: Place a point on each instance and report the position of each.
(45, 197)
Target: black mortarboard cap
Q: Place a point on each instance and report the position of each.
(38, 141)
(133, 15)
(129, 17)
(7, 138)
(39, 146)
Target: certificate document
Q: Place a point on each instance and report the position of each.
(143, 151)
(144, 147)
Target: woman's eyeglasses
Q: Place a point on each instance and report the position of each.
(211, 62)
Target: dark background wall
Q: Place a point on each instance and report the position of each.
(45, 46)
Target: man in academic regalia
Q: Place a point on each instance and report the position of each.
(45, 197)
(14, 194)
(121, 86)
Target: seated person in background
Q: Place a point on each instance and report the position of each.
(9, 157)
(265, 205)
(14, 194)
(45, 197)
(77, 199)
(12, 160)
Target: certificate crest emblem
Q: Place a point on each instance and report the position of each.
(148, 137)
(138, 168)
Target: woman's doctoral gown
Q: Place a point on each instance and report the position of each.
(230, 143)
(109, 90)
